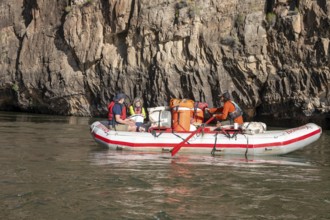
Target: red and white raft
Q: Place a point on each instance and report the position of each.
(224, 142)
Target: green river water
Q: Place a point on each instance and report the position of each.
(51, 168)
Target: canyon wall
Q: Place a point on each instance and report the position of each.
(70, 57)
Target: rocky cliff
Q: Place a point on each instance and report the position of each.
(70, 57)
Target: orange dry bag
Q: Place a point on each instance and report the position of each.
(181, 118)
(181, 114)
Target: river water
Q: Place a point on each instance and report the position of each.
(51, 168)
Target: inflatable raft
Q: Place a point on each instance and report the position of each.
(209, 141)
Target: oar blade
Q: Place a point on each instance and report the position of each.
(175, 150)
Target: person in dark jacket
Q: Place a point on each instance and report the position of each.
(117, 115)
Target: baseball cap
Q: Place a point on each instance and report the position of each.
(120, 96)
(226, 95)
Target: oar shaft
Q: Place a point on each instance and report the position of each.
(177, 147)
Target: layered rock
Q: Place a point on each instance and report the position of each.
(71, 57)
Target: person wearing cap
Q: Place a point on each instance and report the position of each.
(117, 115)
(230, 113)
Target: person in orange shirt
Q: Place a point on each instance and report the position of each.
(230, 113)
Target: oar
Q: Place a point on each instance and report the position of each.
(177, 147)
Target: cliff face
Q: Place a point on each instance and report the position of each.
(70, 57)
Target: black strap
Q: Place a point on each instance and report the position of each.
(178, 121)
(195, 109)
(180, 137)
(247, 146)
(248, 125)
(228, 135)
(215, 144)
(159, 119)
(153, 132)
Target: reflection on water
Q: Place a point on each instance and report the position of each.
(110, 157)
(34, 118)
(51, 168)
(216, 187)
